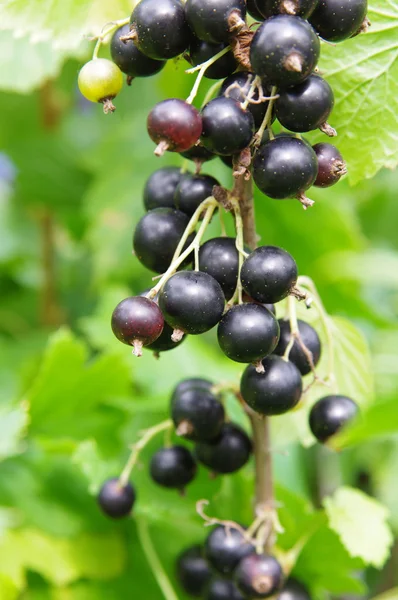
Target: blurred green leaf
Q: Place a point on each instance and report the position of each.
(13, 427)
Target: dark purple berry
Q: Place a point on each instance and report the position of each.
(198, 154)
(227, 128)
(116, 501)
(219, 258)
(336, 21)
(237, 87)
(174, 125)
(193, 382)
(330, 414)
(193, 572)
(225, 547)
(331, 165)
(269, 274)
(197, 413)
(160, 188)
(259, 576)
(130, 59)
(173, 467)
(211, 20)
(200, 52)
(253, 10)
(164, 342)
(192, 191)
(222, 589)
(137, 321)
(296, 8)
(298, 356)
(294, 590)
(227, 453)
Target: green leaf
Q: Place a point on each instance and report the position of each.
(360, 522)
(389, 595)
(13, 426)
(96, 470)
(8, 590)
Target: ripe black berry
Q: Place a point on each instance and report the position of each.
(219, 258)
(222, 589)
(275, 391)
(253, 10)
(294, 590)
(200, 51)
(174, 125)
(130, 59)
(269, 274)
(137, 321)
(161, 28)
(164, 342)
(248, 333)
(259, 575)
(192, 191)
(225, 547)
(173, 467)
(211, 20)
(192, 302)
(237, 87)
(160, 188)
(285, 168)
(331, 165)
(116, 501)
(227, 128)
(193, 572)
(284, 50)
(227, 453)
(297, 355)
(336, 21)
(197, 413)
(157, 235)
(330, 414)
(192, 382)
(296, 8)
(306, 106)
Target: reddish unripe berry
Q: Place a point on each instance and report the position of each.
(137, 322)
(174, 125)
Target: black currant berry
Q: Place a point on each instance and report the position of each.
(130, 59)
(219, 258)
(253, 10)
(160, 28)
(157, 235)
(138, 322)
(269, 274)
(192, 302)
(174, 125)
(192, 382)
(173, 467)
(284, 50)
(164, 342)
(336, 21)
(193, 572)
(225, 547)
(214, 20)
(285, 168)
(197, 413)
(222, 589)
(199, 155)
(192, 191)
(331, 165)
(227, 128)
(237, 87)
(297, 355)
(200, 51)
(294, 590)
(270, 307)
(275, 391)
(248, 332)
(160, 188)
(306, 106)
(259, 576)
(296, 8)
(330, 414)
(116, 501)
(227, 453)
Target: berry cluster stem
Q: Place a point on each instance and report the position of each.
(107, 30)
(202, 70)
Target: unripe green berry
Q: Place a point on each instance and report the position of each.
(100, 80)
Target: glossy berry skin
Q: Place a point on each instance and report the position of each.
(208, 19)
(100, 79)
(305, 106)
(197, 414)
(259, 576)
(227, 128)
(200, 52)
(192, 302)
(254, 11)
(331, 165)
(130, 59)
(161, 27)
(173, 467)
(222, 589)
(157, 236)
(193, 571)
(160, 188)
(268, 274)
(175, 123)
(219, 258)
(225, 547)
(137, 319)
(284, 50)
(274, 392)
(296, 8)
(116, 501)
(244, 79)
(164, 342)
(336, 21)
(294, 590)
(198, 154)
(285, 167)
(192, 382)
(330, 414)
(248, 332)
(297, 356)
(227, 453)
(192, 191)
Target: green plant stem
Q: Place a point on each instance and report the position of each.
(267, 118)
(202, 70)
(107, 30)
(212, 90)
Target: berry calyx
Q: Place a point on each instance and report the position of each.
(296, 8)
(174, 125)
(219, 258)
(192, 191)
(197, 413)
(160, 188)
(227, 453)
(214, 20)
(331, 165)
(193, 571)
(137, 322)
(201, 51)
(305, 351)
(330, 414)
(259, 575)
(294, 590)
(115, 500)
(130, 59)
(227, 128)
(225, 547)
(173, 467)
(100, 80)
(222, 589)
(336, 21)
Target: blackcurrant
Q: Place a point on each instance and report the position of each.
(269, 274)
(200, 51)
(138, 322)
(192, 382)
(297, 8)
(227, 453)
(237, 87)
(330, 414)
(130, 59)
(248, 333)
(115, 500)
(212, 20)
(193, 571)
(270, 307)
(100, 80)
(225, 547)
(259, 575)
(284, 50)
(298, 356)
(160, 188)
(219, 258)
(192, 302)
(199, 155)
(336, 21)
(174, 125)
(222, 589)
(253, 10)
(331, 165)
(294, 590)
(285, 168)
(161, 30)
(306, 106)
(157, 235)
(164, 342)
(192, 191)
(197, 413)
(173, 467)
(275, 391)
(227, 128)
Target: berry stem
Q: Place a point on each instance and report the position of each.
(107, 30)
(202, 70)
(267, 118)
(211, 92)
